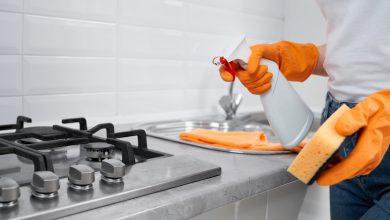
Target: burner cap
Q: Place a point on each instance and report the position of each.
(28, 141)
(99, 151)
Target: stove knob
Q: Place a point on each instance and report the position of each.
(81, 177)
(45, 184)
(112, 170)
(9, 192)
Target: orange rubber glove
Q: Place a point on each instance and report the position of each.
(296, 62)
(372, 118)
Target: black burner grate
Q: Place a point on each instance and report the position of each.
(21, 141)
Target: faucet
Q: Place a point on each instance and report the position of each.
(230, 102)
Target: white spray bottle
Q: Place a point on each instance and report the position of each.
(289, 117)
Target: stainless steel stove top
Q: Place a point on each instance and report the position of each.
(20, 168)
(49, 172)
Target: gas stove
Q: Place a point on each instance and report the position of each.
(53, 171)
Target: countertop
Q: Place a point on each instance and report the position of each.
(242, 176)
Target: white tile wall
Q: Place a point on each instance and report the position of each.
(65, 106)
(66, 58)
(10, 75)
(255, 7)
(10, 108)
(11, 33)
(202, 75)
(202, 46)
(68, 37)
(307, 12)
(155, 43)
(100, 10)
(168, 101)
(204, 98)
(152, 13)
(11, 5)
(143, 74)
(157, 102)
(56, 75)
(215, 20)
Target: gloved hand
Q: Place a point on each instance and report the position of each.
(372, 116)
(296, 62)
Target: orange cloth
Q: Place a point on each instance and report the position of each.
(234, 140)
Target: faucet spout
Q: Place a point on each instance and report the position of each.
(230, 102)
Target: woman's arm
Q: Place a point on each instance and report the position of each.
(320, 63)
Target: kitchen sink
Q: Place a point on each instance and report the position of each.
(170, 130)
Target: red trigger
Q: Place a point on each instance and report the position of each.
(229, 66)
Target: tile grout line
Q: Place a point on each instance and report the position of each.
(116, 113)
(22, 62)
(70, 18)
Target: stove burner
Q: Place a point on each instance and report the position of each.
(56, 154)
(99, 151)
(28, 141)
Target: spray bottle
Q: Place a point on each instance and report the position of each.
(289, 116)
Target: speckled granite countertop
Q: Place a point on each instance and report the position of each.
(242, 176)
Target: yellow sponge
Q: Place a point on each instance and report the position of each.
(319, 151)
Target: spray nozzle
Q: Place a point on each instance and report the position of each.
(229, 66)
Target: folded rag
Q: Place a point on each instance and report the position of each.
(235, 140)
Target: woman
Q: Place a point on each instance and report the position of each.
(356, 58)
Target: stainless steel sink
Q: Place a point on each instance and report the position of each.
(170, 130)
